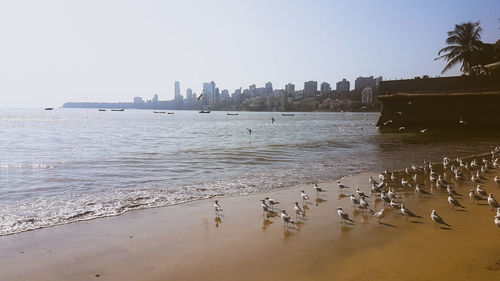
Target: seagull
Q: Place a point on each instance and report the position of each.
(475, 179)
(394, 205)
(286, 218)
(318, 189)
(298, 210)
(376, 189)
(442, 180)
(387, 122)
(304, 195)
(392, 194)
(402, 128)
(481, 191)
(343, 216)
(372, 181)
(341, 186)
(361, 193)
(272, 202)
(379, 215)
(497, 220)
(474, 196)
(496, 179)
(405, 183)
(385, 197)
(421, 190)
(265, 207)
(452, 191)
(424, 130)
(462, 122)
(454, 202)
(354, 200)
(363, 204)
(493, 203)
(217, 208)
(199, 97)
(408, 213)
(437, 219)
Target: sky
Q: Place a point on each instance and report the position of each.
(52, 52)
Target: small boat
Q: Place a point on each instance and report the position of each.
(287, 114)
(170, 112)
(232, 113)
(49, 108)
(118, 109)
(159, 112)
(102, 109)
(204, 111)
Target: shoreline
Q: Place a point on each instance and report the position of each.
(167, 243)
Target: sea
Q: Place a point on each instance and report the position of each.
(66, 165)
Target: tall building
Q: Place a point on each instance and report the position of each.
(208, 93)
(367, 96)
(363, 82)
(343, 86)
(289, 88)
(138, 100)
(178, 97)
(325, 88)
(224, 94)
(177, 89)
(269, 88)
(310, 88)
(189, 94)
(155, 99)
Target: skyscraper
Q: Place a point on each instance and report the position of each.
(290, 88)
(310, 88)
(363, 82)
(178, 97)
(343, 86)
(209, 93)
(325, 88)
(189, 94)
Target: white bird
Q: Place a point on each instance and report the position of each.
(475, 179)
(493, 203)
(217, 207)
(462, 122)
(481, 191)
(385, 197)
(497, 220)
(394, 205)
(454, 202)
(408, 213)
(496, 179)
(341, 186)
(437, 219)
(405, 183)
(354, 200)
(298, 210)
(393, 177)
(421, 190)
(363, 204)
(474, 196)
(423, 131)
(318, 189)
(452, 191)
(265, 207)
(372, 181)
(343, 216)
(379, 215)
(272, 202)
(286, 218)
(361, 193)
(304, 195)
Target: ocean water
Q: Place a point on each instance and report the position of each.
(66, 165)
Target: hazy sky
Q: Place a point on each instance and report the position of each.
(52, 52)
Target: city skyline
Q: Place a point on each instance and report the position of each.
(54, 54)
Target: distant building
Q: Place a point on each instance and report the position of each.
(269, 88)
(289, 88)
(325, 88)
(310, 88)
(155, 99)
(363, 82)
(367, 96)
(378, 80)
(189, 94)
(178, 97)
(343, 86)
(138, 100)
(225, 94)
(209, 93)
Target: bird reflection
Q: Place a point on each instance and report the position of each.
(266, 223)
(319, 200)
(217, 221)
(342, 195)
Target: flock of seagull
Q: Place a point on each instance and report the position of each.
(413, 178)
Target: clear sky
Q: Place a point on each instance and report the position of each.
(52, 52)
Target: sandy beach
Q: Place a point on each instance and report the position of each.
(188, 242)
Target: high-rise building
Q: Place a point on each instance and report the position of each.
(269, 88)
(209, 93)
(289, 88)
(189, 94)
(363, 82)
(177, 89)
(367, 96)
(325, 88)
(155, 99)
(224, 94)
(310, 88)
(343, 86)
(138, 100)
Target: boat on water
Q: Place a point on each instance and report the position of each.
(170, 112)
(204, 111)
(159, 112)
(118, 109)
(232, 113)
(102, 109)
(287, 114)
(49, 108)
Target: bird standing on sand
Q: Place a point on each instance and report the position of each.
(392, 194)
(318, 189)
(343, 216)
(497, 220)
(452, 191)
(385, 197)
(361, 193)
(265, 207)
(394, 205)
(474, 196)
(354, 200)
(379, 215)
(304, 195)
(298, 211)
(481, 191)
(493, 203)
(286, 218)
(272, 202)
(217, 208)
(437, 219)
(406, 212)
(421, 190)
(454, 202)
(363, 204)
(341, 186)
(496, 179)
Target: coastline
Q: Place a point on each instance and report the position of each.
(185, 242)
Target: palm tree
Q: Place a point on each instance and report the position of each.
(464, 47)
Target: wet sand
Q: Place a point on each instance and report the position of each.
(187, 242)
